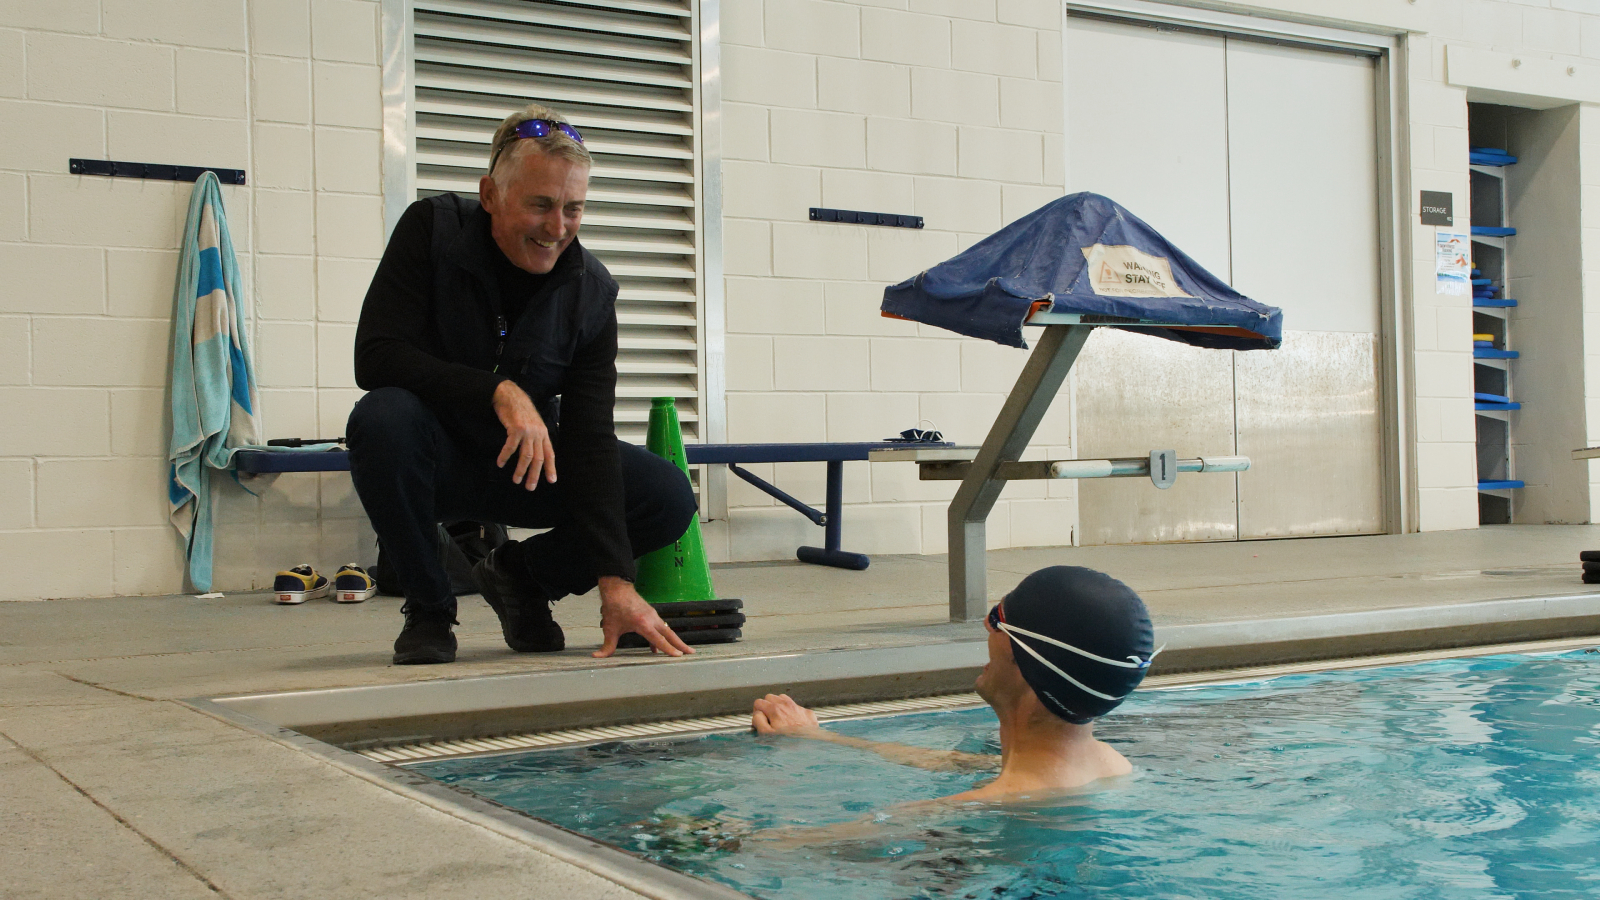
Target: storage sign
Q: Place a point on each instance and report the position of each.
(1436, 208)
(1117, 270)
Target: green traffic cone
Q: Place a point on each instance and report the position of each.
(677, 572)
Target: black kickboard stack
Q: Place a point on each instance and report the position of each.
(697, 622)
(1591, 566)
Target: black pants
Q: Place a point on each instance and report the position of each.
(411, 474)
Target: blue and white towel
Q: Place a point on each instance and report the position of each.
(213, 389)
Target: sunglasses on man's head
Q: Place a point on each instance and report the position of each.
(538, 128)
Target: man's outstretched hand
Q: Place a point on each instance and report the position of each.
(622, 610)
(779, 714)
(527, 438)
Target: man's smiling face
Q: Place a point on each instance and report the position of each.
(535, 206)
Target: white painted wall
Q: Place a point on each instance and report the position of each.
(949, 109)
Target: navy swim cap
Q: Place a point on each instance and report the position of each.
(1081, 638)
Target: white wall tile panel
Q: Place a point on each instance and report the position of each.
(741, 24)
(1446, 509)
(333, 410)
(282, 157)
(139, 283)
(1044, 15)
(289, 413)
(959, 204)
(13, 80)
(285, 222)
(853, 308)
(868, 416)
(285, 287)
(53, 280)
(181, 140)
(125, 352)
(1042, 523)
(904, 37)
(1017, 200)
(336, 352)
(341, 287)
(895, 254)
(804, 250)
(16, 493)
(88, 576)
(281, 90)
(776, 417)
(757, 190)
(1001, 155)
(349, 225)
(747, 249)
(15, 358)
(80, 422)
(915, 365)
(917, 148)
(99, 72)
(863, 86)
(818, 138)
(40, 137)
(979, 10)
(345, 95)
(147, 561)
(749, 363)
(281, 27)
(90, 493)
(80, 16)
(820, 363)
(138, 422)
(872, 191)
(191, 23)
(286, 354)
(1030, 104)
(770, 77)
(211, 83)
(13, 206)
(997, 50)
(774, 306)
(942, 95)
(345, 31)
(344, 160)
(744, 132)
(819, 27)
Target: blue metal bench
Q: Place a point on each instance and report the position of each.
(830, 517)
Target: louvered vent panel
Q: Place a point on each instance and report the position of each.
(623, 71)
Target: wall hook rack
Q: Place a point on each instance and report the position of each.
(162, 171)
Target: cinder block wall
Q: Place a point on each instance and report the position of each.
(286, 89)
(946, 110)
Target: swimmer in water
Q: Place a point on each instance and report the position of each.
(1065, 647)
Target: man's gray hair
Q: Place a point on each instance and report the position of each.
(507, 145)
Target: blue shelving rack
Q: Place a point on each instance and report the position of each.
(1493, 403)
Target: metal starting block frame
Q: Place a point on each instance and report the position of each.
(984, 471)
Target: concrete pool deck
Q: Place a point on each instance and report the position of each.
(114, 786)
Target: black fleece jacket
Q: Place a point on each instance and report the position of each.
(431, 324)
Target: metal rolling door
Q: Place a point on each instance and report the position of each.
(1147, 127)
(1302, 129)
(624, 72)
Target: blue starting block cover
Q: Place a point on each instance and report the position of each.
(1083, 254)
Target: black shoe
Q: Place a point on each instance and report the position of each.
(426, 638)
(524, 615)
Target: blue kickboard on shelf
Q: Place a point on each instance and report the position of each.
(1497, 407)
(1493, 303)
(1487, 353)
(1493, 231)
(1499, 485)
(1490, 398)
(1488, 156)
(1482, 280)
(1482, 344)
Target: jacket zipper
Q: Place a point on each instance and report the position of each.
(500, 351)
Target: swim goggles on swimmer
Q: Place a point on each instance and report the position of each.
(997, 621)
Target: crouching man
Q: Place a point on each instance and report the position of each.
(481, 318)
(1065, 647)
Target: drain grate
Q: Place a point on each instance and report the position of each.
(426, 750)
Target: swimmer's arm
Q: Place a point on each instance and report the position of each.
(779, 714)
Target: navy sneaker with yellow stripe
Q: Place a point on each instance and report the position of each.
(352, 584)
(299, 584)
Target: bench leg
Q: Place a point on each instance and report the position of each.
(829, 553)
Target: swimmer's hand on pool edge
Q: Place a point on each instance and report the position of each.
(622, 610)
(779, 714)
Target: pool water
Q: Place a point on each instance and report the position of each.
(1469, 778)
